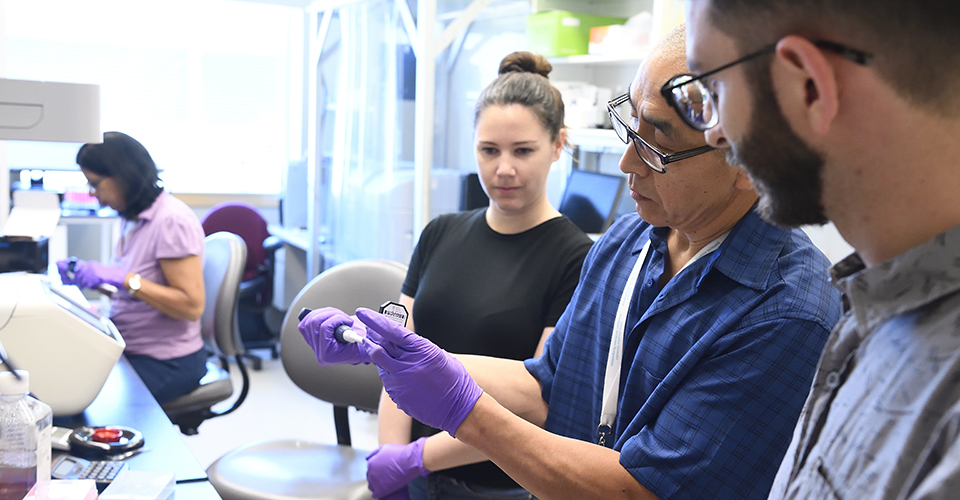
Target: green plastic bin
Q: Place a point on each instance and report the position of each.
(561, 33)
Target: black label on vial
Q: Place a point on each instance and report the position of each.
(396, 312)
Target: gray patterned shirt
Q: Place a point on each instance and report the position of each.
(882, 420)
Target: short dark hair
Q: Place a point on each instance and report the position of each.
(523, 80)
(916, 44)
(124, 159)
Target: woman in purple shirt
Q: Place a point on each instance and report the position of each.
(157, 267)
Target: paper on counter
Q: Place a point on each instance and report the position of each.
(34, 214)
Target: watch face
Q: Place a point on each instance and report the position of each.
(134, 283)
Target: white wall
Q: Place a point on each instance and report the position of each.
(829, 241)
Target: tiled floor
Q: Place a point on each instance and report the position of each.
(276, 409)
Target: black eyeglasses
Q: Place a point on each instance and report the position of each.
(653, 157)
(696, 103)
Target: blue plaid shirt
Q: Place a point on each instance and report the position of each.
(722, 356)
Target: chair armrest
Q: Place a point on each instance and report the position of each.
(271, 244)
(249, 289)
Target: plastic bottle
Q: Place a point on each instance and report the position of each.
(25, 429)
(44, 421)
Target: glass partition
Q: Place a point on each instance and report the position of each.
(365, 133)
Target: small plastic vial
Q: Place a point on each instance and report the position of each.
(25, 428)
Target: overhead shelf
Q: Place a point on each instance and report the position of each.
(597, 140)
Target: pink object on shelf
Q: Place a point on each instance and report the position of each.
(82, 197)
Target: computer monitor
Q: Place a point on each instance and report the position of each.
(591, 199)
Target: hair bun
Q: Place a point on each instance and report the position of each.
(525, 62)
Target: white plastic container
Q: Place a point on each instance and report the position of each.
(25, 428)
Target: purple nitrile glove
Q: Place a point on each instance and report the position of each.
(317, 329)
(423, 380)
(91, 274)
(66, 276)
(391, 467)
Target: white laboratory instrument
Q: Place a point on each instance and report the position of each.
(68, 350)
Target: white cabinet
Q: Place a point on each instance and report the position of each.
(593, 149)
(611, 72)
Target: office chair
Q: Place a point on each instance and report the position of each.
(256, 289)
(472, 194)
(223, 260)
(293, 469)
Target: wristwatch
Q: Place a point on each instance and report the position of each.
(133, 285)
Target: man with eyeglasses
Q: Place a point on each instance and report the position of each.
(681, 363)
(849, 111)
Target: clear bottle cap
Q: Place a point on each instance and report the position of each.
(10, 385)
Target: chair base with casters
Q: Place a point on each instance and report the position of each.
(256, 362)
(225, 254)
(256, 331)
(254, 311)
(291, 469)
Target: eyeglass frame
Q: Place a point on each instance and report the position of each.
(665, 158)
(857, 56)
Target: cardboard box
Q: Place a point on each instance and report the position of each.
(562, 33)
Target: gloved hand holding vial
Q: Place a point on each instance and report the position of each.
(344, 334)
(425, 381)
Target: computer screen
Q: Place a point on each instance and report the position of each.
(591, 199)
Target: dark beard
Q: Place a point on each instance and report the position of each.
(785, 172)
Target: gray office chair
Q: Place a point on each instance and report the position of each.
(225, 255)
(292, 469)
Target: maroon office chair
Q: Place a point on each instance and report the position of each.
(256, 289)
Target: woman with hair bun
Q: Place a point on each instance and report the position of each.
(491, 281)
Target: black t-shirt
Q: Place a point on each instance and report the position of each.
(477, 291)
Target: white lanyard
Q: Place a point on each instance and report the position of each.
(611, 380)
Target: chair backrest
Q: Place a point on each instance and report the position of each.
(246, 221)
(224, 255)
(223, 260)
(347, 286)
